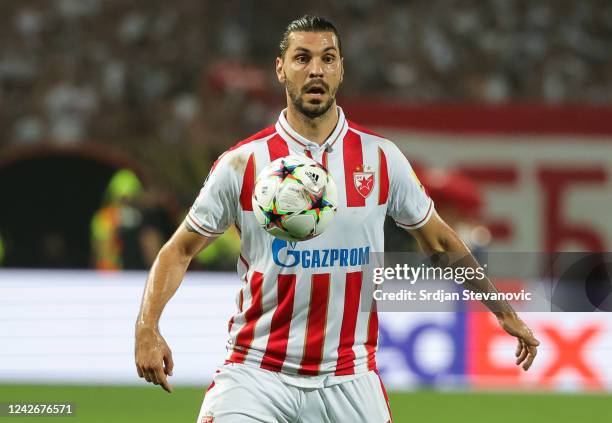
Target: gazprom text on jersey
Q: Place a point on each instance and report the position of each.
(285, 255)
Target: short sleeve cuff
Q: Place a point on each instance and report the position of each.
(197, 226)
(420, 222)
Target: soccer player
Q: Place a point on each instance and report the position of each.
(301, 348)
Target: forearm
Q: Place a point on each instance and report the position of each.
(164, 279)
(460, 256)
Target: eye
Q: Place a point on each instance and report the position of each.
(329, 59)
(302, 58)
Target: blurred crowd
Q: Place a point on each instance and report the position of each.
(173, 84)
(200, 72)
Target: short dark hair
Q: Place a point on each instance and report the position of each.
(308, 23)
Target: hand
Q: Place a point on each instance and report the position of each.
(153, 357)
(526, 349)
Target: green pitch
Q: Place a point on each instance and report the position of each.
(152, 405)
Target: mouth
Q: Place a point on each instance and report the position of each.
(315, 91)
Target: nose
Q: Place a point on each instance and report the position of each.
(316, 68)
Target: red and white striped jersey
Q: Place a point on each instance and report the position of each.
(299, 311)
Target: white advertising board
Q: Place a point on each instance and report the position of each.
(78, 327)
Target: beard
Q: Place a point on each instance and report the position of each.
(311, 110)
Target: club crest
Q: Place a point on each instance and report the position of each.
(363, 178)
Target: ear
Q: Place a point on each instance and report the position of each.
(280, 75)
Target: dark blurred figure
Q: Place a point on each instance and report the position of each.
(129, 230)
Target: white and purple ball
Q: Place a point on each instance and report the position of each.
(295, 198)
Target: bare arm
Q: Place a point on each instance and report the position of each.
(150, 241)
(153, 356)
(437, 237)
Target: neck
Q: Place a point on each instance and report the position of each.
(317, 129)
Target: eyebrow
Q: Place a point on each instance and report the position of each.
(308, 51)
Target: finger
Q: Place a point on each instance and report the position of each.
(160, 376)
(166, 385)
(152, 376)
(147, 375)
(139, 370)
(533, 351)
(519, 347)
(168, 363)
(523, 354)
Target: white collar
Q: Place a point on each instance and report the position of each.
(290, 135)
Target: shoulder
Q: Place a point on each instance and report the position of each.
(254, 140)
(366, 134)
(370, 137)
(245, 147)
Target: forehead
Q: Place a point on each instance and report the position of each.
(312, 41)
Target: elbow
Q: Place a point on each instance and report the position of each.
(451, 242)
(438, 245)
(431, 245)
(171, 253)
(437, 237)
(448, 242)
(443, 243)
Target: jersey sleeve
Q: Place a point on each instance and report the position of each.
(409, 205)
(215, 208)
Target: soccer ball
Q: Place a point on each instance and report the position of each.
(294, 198)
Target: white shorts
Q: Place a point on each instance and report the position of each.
(246, 394)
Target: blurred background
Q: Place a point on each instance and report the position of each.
(112, 112)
